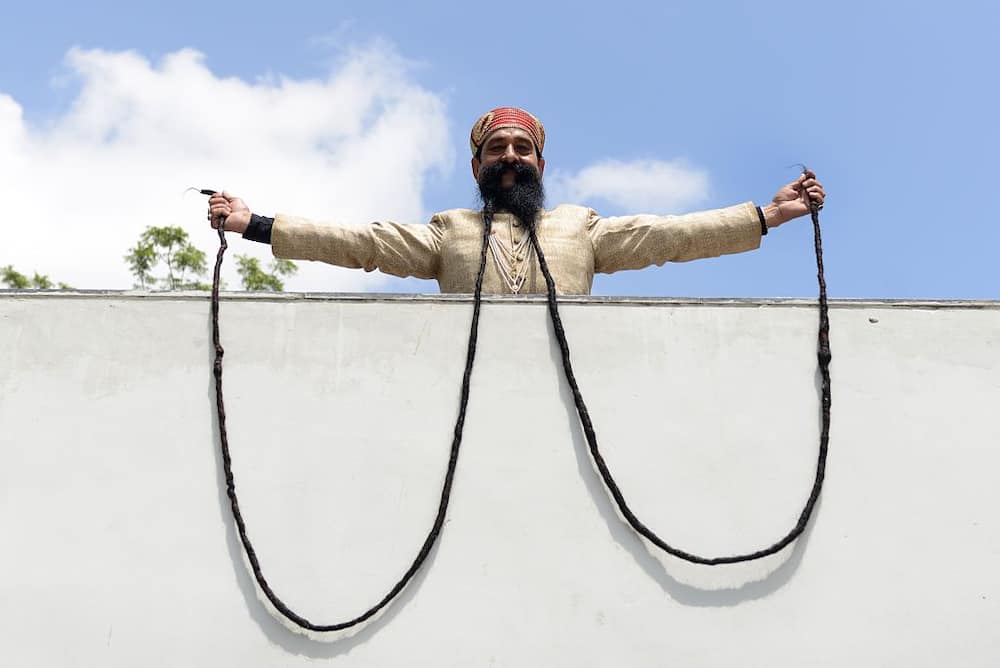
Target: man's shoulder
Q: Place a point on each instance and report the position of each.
(569, 210)
(457, 214)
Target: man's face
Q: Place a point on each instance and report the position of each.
(510, 146)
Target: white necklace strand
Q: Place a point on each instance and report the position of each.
(512, 263)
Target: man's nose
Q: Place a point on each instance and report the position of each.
(510, 155)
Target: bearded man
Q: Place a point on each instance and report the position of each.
(507, 163)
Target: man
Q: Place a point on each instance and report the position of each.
(507, 163)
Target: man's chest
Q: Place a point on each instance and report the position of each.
(512, 263)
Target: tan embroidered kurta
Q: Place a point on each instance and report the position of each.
(577, 243)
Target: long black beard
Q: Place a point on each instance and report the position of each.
(524, 199)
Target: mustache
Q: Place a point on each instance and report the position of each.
(524, 174)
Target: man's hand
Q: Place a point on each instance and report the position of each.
(230, 211)
(793, 200)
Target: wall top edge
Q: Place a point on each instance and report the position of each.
(132, 295)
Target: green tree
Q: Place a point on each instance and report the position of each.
(254, 278)
(170, 246)
(41, 282)
(12, 278)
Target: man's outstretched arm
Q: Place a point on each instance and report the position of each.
(393, 248)
(634, 242)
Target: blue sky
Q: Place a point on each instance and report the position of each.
(893, 105)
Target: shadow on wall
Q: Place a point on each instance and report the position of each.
(689, 584)
(276, 632)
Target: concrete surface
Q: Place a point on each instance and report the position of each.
(119, 548)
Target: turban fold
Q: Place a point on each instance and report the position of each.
(506, 117)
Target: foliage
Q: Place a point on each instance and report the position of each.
(12, 278)
(41, 282)
(256, 279)
(170, 247)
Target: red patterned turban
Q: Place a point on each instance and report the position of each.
(506, 117)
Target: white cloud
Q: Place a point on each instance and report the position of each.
(641, 186)
(77, 191)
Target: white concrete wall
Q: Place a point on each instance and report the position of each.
(118, 548)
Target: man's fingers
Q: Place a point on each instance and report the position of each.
(219, 210)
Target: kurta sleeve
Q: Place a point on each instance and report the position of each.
(393, 248)
(634, 242)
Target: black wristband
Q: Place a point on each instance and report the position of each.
(763, 221)
(259, 229)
